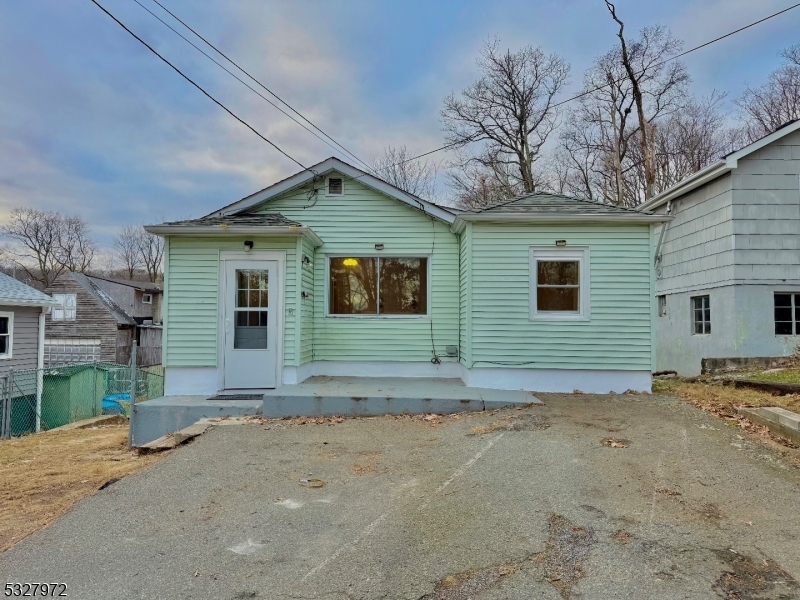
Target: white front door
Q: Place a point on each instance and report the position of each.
(250, 324)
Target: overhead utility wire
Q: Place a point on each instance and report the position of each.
(677, 56)
(232, 74)
(585, 93)
(265, 88)
(205, 93)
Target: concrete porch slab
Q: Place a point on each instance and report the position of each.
(362, 396)
(318, 396)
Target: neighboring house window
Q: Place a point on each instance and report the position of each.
(147, 298)
(374, 285)
(787, 314)
(65, 351)
(65, 312)
(559, 284)
(662, 306)
(335, 186)
(701, 311)
(6, 333)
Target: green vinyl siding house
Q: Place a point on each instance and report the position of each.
(335, 272)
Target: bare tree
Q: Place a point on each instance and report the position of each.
(602, 139)
(478, 186)
(642, 59)
(510, 109)
(126, 250)
(415, 177)
(48, 243)
(776, 102)
(76, 249)
(151, 251)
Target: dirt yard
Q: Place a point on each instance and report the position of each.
(44, 475)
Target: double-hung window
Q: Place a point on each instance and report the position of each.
(6, 333)
(787, 314)
(559, 284)
(701, 315)
(378, 286)
(66, 310)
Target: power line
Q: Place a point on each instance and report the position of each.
(587, 92)
(205, 93)
(232, 74)
(677, 56)
(265, 88)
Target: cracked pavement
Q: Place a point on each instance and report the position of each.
(504, 505)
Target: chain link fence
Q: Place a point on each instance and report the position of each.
(40, 399)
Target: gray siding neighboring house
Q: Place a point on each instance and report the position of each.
(22, 310)
(735, 238)
(139, 299)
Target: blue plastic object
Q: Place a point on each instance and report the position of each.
(112, 404)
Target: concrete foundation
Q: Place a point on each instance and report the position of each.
(319, 396)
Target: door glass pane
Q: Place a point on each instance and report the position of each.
(251, 325)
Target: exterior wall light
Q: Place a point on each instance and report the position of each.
(378, 246)
(248, 245)
(561, 242)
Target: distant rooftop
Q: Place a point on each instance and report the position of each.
(145, 286)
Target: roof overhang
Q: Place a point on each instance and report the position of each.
(29, 303)
(320, 169)
(234, 230)
(539, 218)
(718, 169)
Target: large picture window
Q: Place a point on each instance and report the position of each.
(787, 314)
(559, 284)
(375, 285)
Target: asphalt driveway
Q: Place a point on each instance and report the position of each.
(517, 504)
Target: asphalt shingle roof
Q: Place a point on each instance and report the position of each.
(16, 292)
(115, 309)
(259, 220)
(544, 203)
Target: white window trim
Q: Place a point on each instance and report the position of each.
(10, 316)
(328, 258)
(693, 322)
(327, 185)
(147, 298)
(63, 308)
(572, 254)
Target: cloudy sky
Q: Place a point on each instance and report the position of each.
(92, 123)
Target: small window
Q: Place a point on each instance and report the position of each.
(147, 298)
(701, 313)
(66, 310)
(6, 333)
(378, 286)
(559, 284)
(335, 186)
(662, 306)
(787, 314)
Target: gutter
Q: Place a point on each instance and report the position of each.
(538, 218)
(237, 230)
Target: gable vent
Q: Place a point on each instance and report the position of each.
(335, 186)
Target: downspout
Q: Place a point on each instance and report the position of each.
(40, 370)
(657, 258)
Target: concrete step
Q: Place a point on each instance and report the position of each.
(779, 421)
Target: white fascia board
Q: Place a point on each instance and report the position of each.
(698, 179)
(31, 303)
(535, 219)
(711, 172)
(225, 231)
(326, 166)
